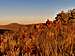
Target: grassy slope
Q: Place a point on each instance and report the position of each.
(55, 38)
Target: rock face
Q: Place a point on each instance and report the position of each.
(53, 38)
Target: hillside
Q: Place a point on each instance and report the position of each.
(53, 38)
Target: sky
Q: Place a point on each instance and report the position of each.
(31, 11)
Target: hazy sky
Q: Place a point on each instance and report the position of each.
(31, 11)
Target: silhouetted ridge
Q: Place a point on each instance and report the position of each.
(3, 31)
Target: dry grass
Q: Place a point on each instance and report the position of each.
(49, 39)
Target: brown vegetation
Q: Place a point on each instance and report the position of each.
(53, 38)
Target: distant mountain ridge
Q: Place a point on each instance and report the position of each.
(15, 26)
(12, 26)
